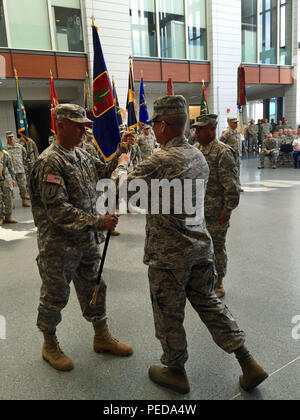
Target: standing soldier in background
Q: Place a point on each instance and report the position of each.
(89, 145)
(265, 130)
(5, 193)
(19, 159)
(232, 137)
(223, 192)
(146, 142)
(252, 137)
(32, 155)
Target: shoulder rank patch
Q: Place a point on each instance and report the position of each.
(54, 179)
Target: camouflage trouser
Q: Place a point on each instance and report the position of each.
(22, 184)
(274, 158)
(58, 267)
(2, 208)
(253, 143)
(7, 199)
(218, 233)
(169, 291)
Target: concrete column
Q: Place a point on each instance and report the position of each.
(225, 55)
(113, 20)
(292, 93)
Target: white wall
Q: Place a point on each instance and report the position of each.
(225, 55)
(292, 93)
(112, 18)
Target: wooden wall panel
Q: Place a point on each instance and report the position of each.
(71, 67)
(178, 71)
(151, 70)
(269, 76)
(286, 76)
(199, 72)
(252, 75)
(34, 65)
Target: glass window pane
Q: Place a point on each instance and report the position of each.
(172, 28)
(285, 32)
(197, 31)
(143, 28)
(249, 31)
(69, 34)
(73, 4)
(268, 39)
(3, 39)
(29, 24)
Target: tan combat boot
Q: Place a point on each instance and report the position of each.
(10, 220)
(219, 290)
(25, 203)
(172, 378)
(253, 375)
(53, 354)
(115, 233)
(104, 342)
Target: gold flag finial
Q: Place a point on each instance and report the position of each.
(16, 74)
(51, 74)
(93, 20)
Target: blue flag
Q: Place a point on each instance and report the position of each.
(116, 102)
(1, 146)
(144, 116)
(106, 129)
(21, 113)
(131, 106)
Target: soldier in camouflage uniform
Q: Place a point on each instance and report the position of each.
(222, 194)
(63, 194)
(289, 138)
(269, 148)
(232, 137)
(5, 194)
(7, 178)
(89, 145)
(32, 155)
(52, 139)
(18, 156)
(146, 142)
(180, 256)
(265, 130)
(252, 137)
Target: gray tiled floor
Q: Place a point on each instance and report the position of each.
(263, 292)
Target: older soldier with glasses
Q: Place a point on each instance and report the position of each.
(180, 256)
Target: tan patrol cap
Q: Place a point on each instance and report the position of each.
(205, 120)
(169, 106)
(72, 112)
(232, 120)
(9, 134)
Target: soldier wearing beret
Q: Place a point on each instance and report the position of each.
(223, 192)
(180, 255)
(63, 194)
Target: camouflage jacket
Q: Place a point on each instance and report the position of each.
(172, 243)
(147, 144)
(91, 149)
(289, 140)
(233, 139)
(253, 130)
(265, 129)
(6, 166)
(18, 156)
(63, 196)
(31, 149)
(223, 192)
(270, 145)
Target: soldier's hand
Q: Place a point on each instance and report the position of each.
(224, 218)
(124, 159)
(13, 183)
(111, 222)
(129, 137)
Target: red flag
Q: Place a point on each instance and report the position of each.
(170, 87)
(54, 103)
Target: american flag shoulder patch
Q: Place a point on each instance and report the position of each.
(54, 179)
